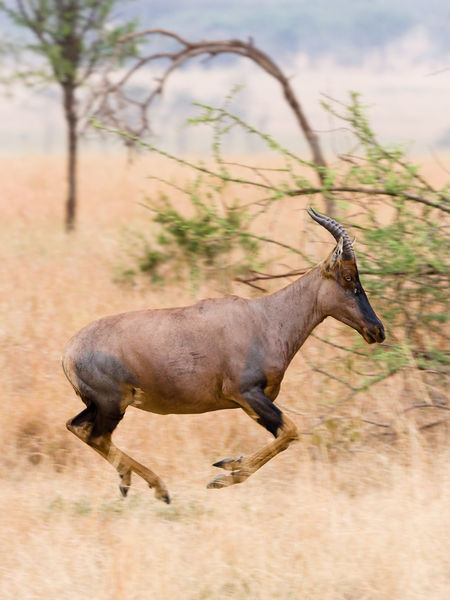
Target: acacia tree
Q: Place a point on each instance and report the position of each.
(71, 40)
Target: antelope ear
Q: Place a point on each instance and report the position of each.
(335, 256)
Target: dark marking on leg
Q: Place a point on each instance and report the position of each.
(269, 415)
(86, 415)
(81, 425)
(252, 384)
(105, 423)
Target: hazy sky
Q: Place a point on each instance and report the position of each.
(406, 83)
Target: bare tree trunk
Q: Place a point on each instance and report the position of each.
(72, 146)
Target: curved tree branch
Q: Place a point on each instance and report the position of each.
(179, 57)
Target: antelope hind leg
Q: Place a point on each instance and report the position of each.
(124, 465)
(88, 426)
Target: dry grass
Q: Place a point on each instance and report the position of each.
(371, 524)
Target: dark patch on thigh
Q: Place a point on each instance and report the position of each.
(101, 379)
(101, 372)
(269, 415)
(253, 374)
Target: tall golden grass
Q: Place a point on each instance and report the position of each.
(370, 523)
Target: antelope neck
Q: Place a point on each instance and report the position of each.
(293, 312)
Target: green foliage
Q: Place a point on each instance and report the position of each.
(212, 234)
(73, 37)
(403, 250)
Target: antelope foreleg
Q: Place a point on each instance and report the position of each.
(242, 468)
(265, 412)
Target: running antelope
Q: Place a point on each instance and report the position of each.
(219, 353)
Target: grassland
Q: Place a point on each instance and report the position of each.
(368, 523)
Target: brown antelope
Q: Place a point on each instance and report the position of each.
(219, 353)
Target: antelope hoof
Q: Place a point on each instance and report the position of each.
(125, 483)
(222, 481)
(162, 495)
(229, 464)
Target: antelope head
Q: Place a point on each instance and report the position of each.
(341, 294)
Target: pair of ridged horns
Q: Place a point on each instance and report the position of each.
(336, 230)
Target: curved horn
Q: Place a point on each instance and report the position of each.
(336, 230)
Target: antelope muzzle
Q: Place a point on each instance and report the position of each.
(374, 333)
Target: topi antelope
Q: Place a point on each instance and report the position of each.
(219, 353)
